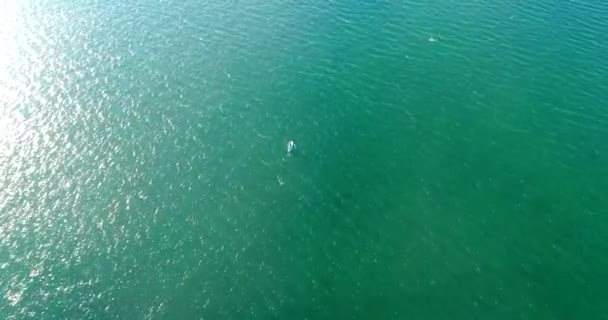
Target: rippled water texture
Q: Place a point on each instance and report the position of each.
(451, 161)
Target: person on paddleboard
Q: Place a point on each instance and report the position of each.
(291, 146)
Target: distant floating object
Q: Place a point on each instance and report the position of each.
(291, 146)
(433, 39)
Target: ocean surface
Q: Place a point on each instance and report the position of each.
(451, 162)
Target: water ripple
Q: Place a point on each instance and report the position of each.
(143, 173)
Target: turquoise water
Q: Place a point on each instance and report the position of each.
(451, 162)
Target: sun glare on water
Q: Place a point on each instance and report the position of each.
(13, 78)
